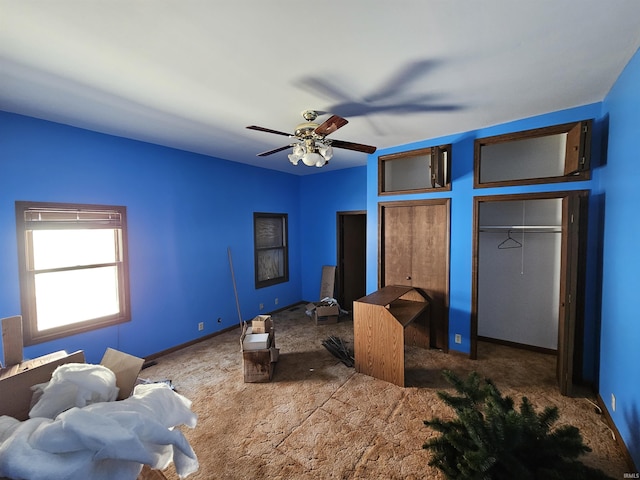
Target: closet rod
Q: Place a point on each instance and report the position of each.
(545, 228)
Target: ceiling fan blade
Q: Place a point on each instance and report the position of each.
(331, 125)
(400, 81)
(358, 147)
(268, 130)
(275, 150)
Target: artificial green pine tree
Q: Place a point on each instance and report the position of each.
(490, 439)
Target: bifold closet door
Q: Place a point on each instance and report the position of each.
(397, 225)
(415, 252)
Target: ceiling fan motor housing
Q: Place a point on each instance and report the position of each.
(306, 130)
(309, 115)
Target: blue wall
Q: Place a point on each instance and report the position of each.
(322, 196)
(184, 212)
(620, 181)
(462, 194)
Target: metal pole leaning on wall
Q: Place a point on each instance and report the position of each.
(235, 289)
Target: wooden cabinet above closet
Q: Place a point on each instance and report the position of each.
(558, 153)
(415, 171)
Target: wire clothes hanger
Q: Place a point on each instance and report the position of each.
(510, 242)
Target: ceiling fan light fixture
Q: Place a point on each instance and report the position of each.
(293, 159)
(296, 155)
(326, 151)
(312, 158)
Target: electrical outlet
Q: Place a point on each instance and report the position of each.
(200, 326)
(613, 402)
(276, 300)
(261, 306)
(458, 338)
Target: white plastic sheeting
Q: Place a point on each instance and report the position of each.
(102, 441)
(73, 385)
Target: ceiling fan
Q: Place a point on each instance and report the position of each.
(311, 144)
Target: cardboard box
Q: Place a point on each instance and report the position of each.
(326, 320)
(17, 378)
(16, 381)
(149, 473)
(327, 310)
(327, 282)
(255, 341)
(126, 368)
(12, 340)
(261, 324)
(323, 313)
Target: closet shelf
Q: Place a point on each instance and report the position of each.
(528, 228)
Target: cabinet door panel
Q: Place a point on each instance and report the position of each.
(578, 149)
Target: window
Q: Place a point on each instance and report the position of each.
(73, 268)
(271, 250)
(423, 170)
(558, 153)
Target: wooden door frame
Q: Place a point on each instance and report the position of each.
(446, 201)
(340, 252)
(571, 290)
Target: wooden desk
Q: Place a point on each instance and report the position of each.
(383, 323)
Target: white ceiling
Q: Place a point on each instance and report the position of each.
(192, 74)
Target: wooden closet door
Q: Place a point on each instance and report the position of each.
(415, 252)
(398, 255)
(430, 266)
(574, 219)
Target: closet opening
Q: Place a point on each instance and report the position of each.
(526, 289)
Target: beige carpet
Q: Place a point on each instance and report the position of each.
(320, 419)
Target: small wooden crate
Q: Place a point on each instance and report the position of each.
(258, 365)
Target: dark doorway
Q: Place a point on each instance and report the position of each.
(352, 257)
